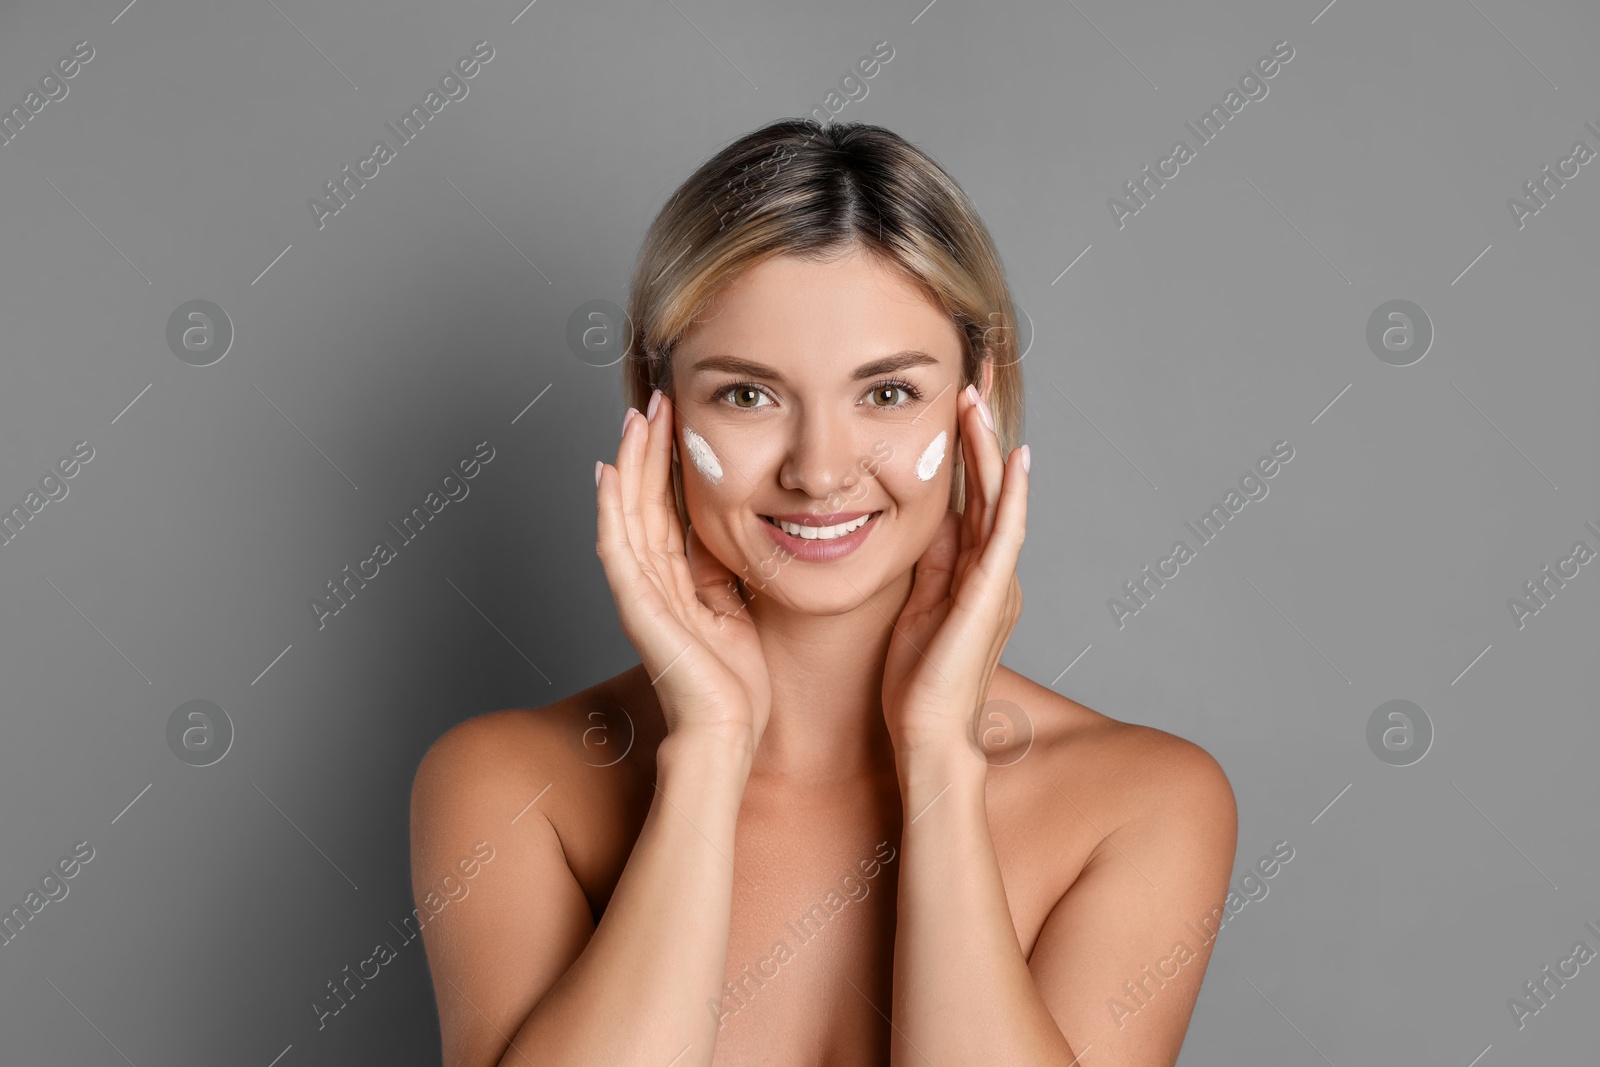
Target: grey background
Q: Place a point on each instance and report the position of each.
(376, 352)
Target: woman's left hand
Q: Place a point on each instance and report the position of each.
(965, 599)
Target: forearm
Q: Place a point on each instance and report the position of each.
(962, 989)
(639, 991)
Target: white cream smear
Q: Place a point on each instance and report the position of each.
(705, 460)
(932, 456)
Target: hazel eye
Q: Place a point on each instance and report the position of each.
(889, 388)
(740, 392)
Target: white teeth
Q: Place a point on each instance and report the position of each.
(821, 533)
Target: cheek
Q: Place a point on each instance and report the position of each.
(701, 456)
(913, 465)
(932, 456)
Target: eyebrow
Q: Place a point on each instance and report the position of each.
(750, 368)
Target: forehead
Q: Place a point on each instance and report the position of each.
(840, 311)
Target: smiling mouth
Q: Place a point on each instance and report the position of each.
(822, 533)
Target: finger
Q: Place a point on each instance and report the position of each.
(998, 561)
(972, 507)
(670, 575)
(658, 507)
(631, 469)
(662, 526)
(991, 468)
(935, 570)
(714, 583)
(631, 588)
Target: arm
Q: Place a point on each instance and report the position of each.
(962, 991)
(962, 986)
(521, 974)
(1109, 961)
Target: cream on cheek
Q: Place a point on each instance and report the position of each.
(932, 457)
(705, 461)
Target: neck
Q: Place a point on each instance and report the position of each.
(827, 683)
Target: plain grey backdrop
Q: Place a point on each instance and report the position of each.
(1170, 347)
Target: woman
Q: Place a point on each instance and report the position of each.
(818, 823)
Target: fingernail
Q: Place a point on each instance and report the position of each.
(1027, 454)
(626, 416)
(972, 392)
(597, 465)
(655, 402)
(988, 416)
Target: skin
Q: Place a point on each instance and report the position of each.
(999, 871)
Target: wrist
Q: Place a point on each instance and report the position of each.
(929, 767)
(705, 754)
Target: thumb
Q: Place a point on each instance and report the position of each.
(713, 582)
(934, 571)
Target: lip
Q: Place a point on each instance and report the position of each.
(820, 551)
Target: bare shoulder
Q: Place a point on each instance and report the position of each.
(577, 770)
(1124, 770)
(594, 729)
(567, 755)
(538, 792)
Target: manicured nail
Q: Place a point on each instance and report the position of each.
(655, 402)
(597, 465)
(626, 417)
(1027, 454)
(972, 392)
(988, 416)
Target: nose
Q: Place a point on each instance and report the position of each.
(820, 458)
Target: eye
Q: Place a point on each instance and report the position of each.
(890, 387)
(742, 391)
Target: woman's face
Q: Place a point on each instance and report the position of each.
(818, 393)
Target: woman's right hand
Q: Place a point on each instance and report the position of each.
(678, 604)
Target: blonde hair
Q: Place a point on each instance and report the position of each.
(795, 187)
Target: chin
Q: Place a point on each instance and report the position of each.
(828, 589)
(808, 597)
